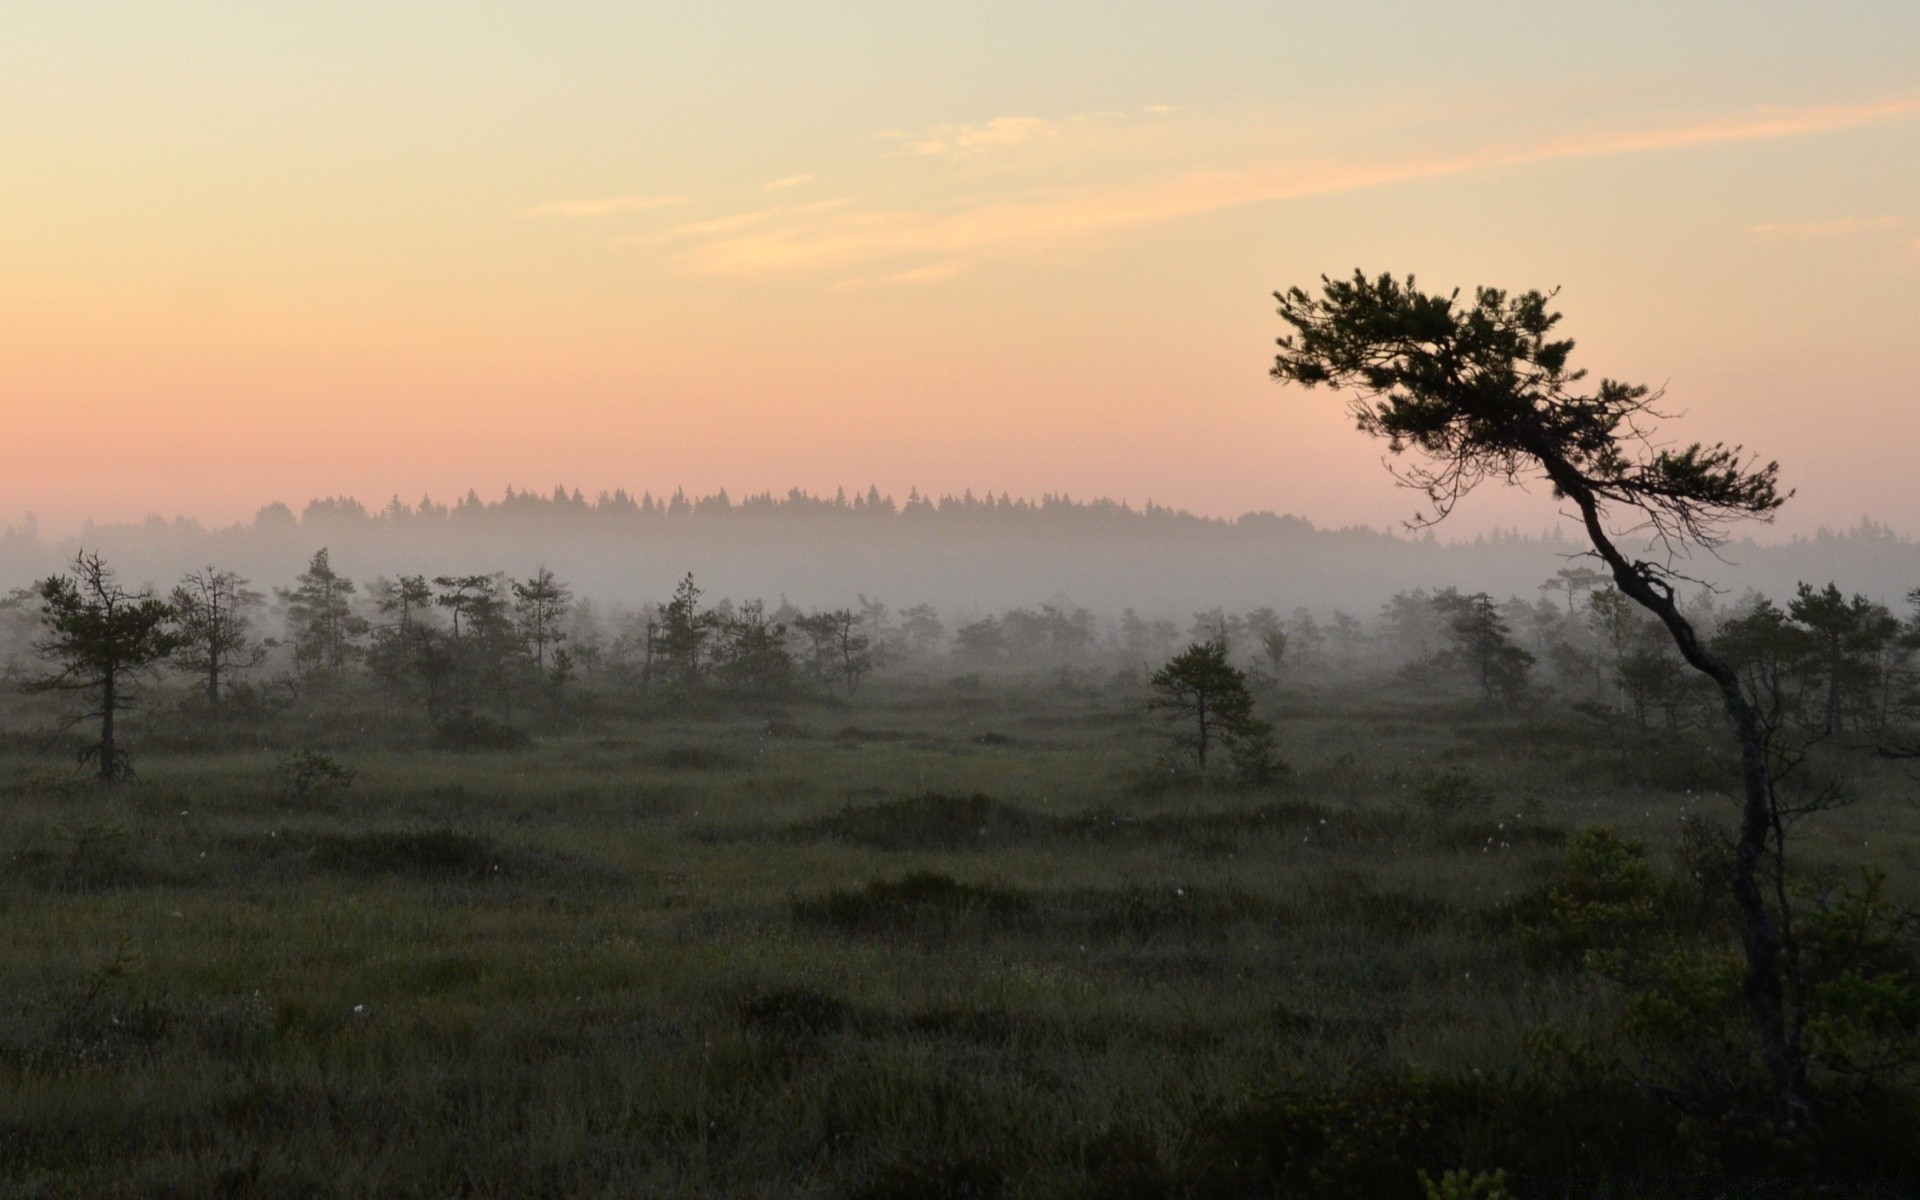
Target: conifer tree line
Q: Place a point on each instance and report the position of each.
(510, 648)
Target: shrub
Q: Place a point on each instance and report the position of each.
(1863, 984)
(310, 775)
(919, 900)
(429, 854)
(1602, 897)
(1466, 1185)
(1453, 791)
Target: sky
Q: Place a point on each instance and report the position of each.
(254, 253)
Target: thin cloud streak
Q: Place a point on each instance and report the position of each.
(1001, 133)
(574, 209)
(790, 181)
(1844, 227)
(850, 238)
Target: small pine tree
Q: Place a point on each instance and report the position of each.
(321, 622)
(100, 639)
(1211, 707)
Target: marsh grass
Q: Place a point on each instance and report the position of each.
(716, 952)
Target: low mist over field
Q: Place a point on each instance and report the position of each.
(965, 555)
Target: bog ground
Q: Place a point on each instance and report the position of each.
(937, 941)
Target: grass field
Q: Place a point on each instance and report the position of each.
(932, 942)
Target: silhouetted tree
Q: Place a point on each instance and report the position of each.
(980, 643)
(1482, 391)
(405, 645)
(1483, 646)
(588, 638)
(483, 645)
(100, 639)
(836, 648)
(1571, 581)
(681, 635)
(1211, 707)
(1769, 651)
(922, 632)
(211, 608)
(752, 651)
(1845, 641)
(321, 623)
(540, 604)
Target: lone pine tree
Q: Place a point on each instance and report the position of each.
(1480, 391)
(100, 638)
(1211, 707)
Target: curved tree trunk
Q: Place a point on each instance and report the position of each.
(1760, 932)
(109, 701)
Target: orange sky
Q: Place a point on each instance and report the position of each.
(247, 256)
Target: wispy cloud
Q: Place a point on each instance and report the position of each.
(732, 223)
(928, 274)
(1842, 228)
(931, 273)
(953, 231)
(572, 209)
(790, 181)
(961, 141)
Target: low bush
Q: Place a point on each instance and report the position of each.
(923, 900)
(471, 731)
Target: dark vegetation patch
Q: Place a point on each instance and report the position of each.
(1601, 895)
(927, 902)
(933, 821)
(436, 855)
(1351, 896)
(853, 735)
(468, 732)
(95, 858)
(923, 901)
(695, 758)
(940, 821)
(801, 1012)
(1490, 834)
(934, 1177)
(993, 739)
(1402, 1137)
(642, 801)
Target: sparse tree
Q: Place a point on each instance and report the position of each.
(1143, 641)
(753, 654)
(404, 644)
(540, 605)
(211, 608)
(921, 631)
(588, 637)
(1482, 391)
(100, 639)
(681, 636)
(1845, 640)
(1571, 582)
(1207, 697)
(836, 648)
(1483, 646)
(482, 642)
(1347, 637)
(980, 643)
(321, 623)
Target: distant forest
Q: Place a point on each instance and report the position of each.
(967, 553)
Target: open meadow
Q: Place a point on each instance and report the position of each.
(949, 938)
